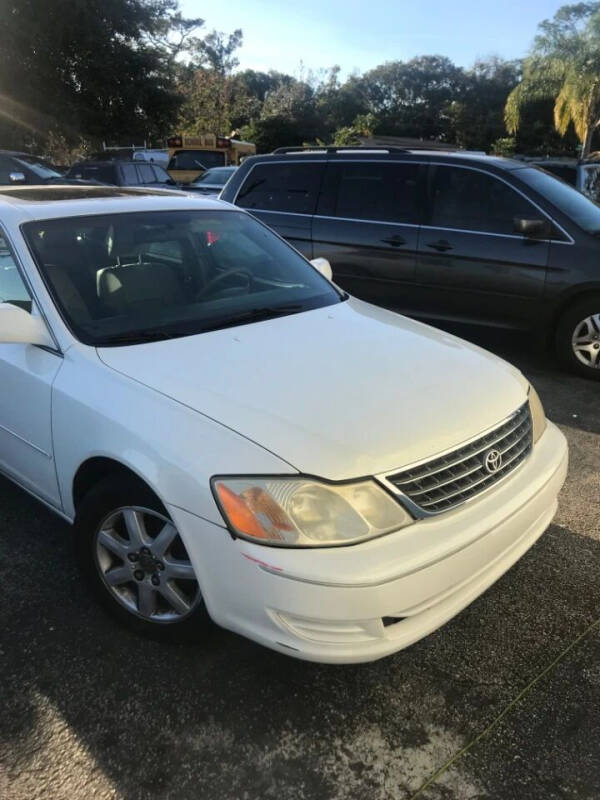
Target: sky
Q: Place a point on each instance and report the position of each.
(360, 34)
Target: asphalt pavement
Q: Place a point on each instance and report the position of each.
(501, 703)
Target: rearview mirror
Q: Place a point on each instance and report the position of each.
(532, 228)
(17, 177)
(324, 267)
(17, 326)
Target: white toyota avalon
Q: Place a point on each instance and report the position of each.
(235, 439)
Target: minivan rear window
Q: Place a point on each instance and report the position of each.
(291, 188)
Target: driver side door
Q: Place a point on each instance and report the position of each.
(27, 373)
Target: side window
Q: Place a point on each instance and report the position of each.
(470, 200)
(146, 173)
(160, 175)
(130, 176)
(12, 288)
(291, 188)
(371, 191)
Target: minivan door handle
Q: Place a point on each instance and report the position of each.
(441, 245)
(395, 241)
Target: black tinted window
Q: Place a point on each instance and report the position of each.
(382, 192)
(567, 200)
(467, 199)
(104, 173)
(281, 187)
(130, 176)
(568, 174)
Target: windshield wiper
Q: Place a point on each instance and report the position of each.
(255, 315)
(157, 335)
(135, 337)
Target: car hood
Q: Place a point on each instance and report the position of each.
(341, 392)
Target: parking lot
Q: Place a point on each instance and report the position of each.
(500, 703)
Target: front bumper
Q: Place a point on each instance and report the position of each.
(339, 605)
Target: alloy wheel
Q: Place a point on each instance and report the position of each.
(586, 341)
(145, 566)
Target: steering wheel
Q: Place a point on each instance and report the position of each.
(223, 276)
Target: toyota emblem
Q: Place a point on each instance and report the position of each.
(492, 461)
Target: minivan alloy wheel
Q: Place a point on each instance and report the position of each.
(145, 566)
(586, 341)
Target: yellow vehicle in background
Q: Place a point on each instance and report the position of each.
(190, 156)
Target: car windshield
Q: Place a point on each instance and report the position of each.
(133, 277)
(217, 177)
(580, 209)
(40, 168)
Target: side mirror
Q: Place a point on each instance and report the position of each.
(324, 267)
(17, 177)
(532, 228)
(17, 326)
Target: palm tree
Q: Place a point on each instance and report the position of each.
(564, 64)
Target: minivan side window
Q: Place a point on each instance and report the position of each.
(371, 191)
(291, 188)
(470, 200)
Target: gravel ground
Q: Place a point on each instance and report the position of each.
(500, 703)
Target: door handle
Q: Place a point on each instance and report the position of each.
(395, 241)
(441, 245)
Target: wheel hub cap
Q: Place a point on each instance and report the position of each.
(145, 566)
(586, 341)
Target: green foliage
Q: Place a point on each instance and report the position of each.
(101, 69)
(76, 72)
(504, 147)
(564, 65)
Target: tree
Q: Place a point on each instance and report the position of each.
(99, 69)
(564, 64)
(412, 98)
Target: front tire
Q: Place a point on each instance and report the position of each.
(578, 337)
(135, 561)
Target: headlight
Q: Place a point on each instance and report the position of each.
(538, 418)
(303, 512)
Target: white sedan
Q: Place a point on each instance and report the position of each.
(235, 439)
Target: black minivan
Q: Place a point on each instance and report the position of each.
(443, 236)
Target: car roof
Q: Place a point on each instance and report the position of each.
(56, 200)
(388, 154)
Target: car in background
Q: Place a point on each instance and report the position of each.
(455, 238)
(154, 156)
(211, 182)
(118, 172)
(237, 439)
(23, 168)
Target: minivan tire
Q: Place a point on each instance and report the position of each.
(117, 500)
(580, 316)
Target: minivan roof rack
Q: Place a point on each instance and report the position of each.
(341, 149)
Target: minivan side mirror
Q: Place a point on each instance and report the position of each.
(532, 228)
(17, 326)
(324, 267)
(17, 177)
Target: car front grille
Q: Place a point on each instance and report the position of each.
(447, 481)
